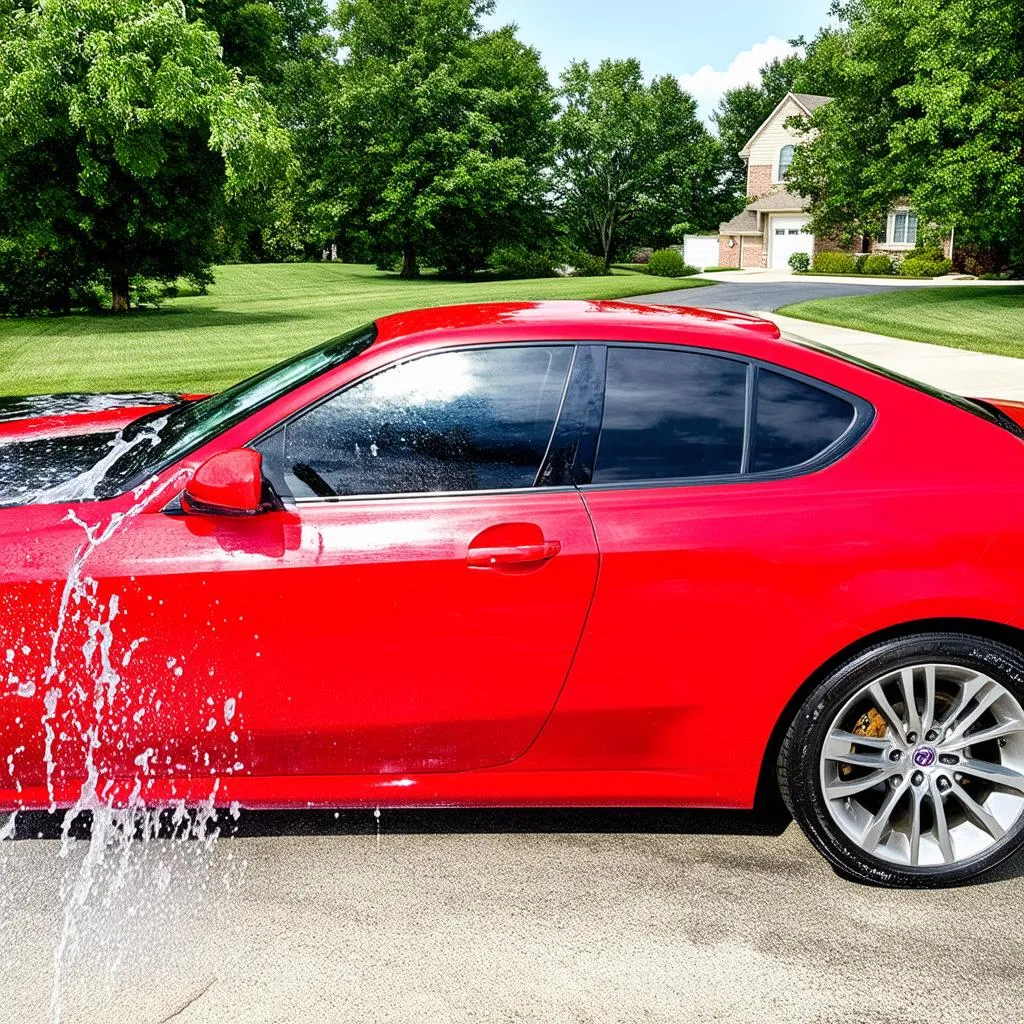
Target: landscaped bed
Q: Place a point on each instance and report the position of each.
(978, 318)
(253, 316)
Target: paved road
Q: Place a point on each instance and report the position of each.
(751, 295)
(457, 917)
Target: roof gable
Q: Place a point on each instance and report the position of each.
(807, 102)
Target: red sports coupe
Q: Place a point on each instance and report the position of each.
(529, 554)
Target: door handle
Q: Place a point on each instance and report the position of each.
(519, 554)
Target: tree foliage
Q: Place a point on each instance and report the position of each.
(930, 110)
(633, 158)
(438, 135)
(121, 134)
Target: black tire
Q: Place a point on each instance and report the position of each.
(799, 774)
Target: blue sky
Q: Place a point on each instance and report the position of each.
(709, 44)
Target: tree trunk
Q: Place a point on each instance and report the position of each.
(410, 268)
(120, 288)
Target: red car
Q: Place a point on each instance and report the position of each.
(530, 554)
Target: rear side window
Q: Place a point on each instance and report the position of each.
(478, 419)
(669, 415)
(794, 422)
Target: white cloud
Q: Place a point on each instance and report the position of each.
(707, 84)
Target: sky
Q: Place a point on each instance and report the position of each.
(710, 45)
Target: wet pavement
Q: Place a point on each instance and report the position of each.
(504, 917)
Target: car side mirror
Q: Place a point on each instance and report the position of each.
(229, 483)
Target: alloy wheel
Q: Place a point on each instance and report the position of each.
(924, 766)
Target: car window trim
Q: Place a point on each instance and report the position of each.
(863, 416)
(292, 502)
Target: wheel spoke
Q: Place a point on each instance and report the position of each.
(996, 774)
(913, 718)
(928, 714)
(877, 825)
(993, 732)
(985, 700)
(941, 827)
(837, 748)
(840, 737)
(981, 816)
(915, 825)
(896, 723)
(841, 790)
(968, 689)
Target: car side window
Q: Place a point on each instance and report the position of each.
(475, 419)
(795, 421)
(671, 415)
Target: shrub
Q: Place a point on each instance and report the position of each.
(642, 255)
(800, 261)
(583, 264)
(834, 263)
(519, 262)
(669, 263)
(858, 262)
(923, 266)
(878, 263)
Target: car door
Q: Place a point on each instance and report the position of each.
(416, 604)
(715, 582)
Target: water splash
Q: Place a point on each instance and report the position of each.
(141, 865)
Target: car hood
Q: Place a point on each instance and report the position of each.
(47, 441)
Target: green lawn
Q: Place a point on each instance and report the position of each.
(252, 317)
(977, 318)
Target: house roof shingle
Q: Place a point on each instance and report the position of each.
(809, 101)
(783, 199)
(744, 223)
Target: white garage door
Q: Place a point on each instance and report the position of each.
(788, 235)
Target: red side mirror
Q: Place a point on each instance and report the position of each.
(229, 483)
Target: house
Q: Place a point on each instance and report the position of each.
(774, 224)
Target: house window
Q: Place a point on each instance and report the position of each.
(785, 159)
(900, 229)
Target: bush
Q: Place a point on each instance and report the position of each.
(924, 266)
(668, 263)
(642, 255)
(582, 264)
(517, 261)
(878, 263)
(800, 261)
(858, 262)
(834, 263)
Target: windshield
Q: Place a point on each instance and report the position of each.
(102, 465)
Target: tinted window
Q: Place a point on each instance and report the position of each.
(454, 421)
(671, 414)
(795, 421)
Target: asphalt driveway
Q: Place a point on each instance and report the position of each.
(512, 918)
(751, 294)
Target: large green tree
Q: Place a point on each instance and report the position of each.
(633, 158)
(438, 136)
(930, 110)
(122, 134)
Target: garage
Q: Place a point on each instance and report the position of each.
(787, 234)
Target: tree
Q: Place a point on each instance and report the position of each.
(930, 111)
(633, 159)
(436, 141)
(122, 132)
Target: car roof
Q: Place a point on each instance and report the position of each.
(575, 320)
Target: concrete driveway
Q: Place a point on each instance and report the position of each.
(507, 917)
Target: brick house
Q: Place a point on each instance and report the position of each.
(773, 226)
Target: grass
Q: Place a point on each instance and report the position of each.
(253, 316)
(977, 318)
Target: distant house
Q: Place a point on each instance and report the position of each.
(774, 224)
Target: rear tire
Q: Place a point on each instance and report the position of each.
(879, 769)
